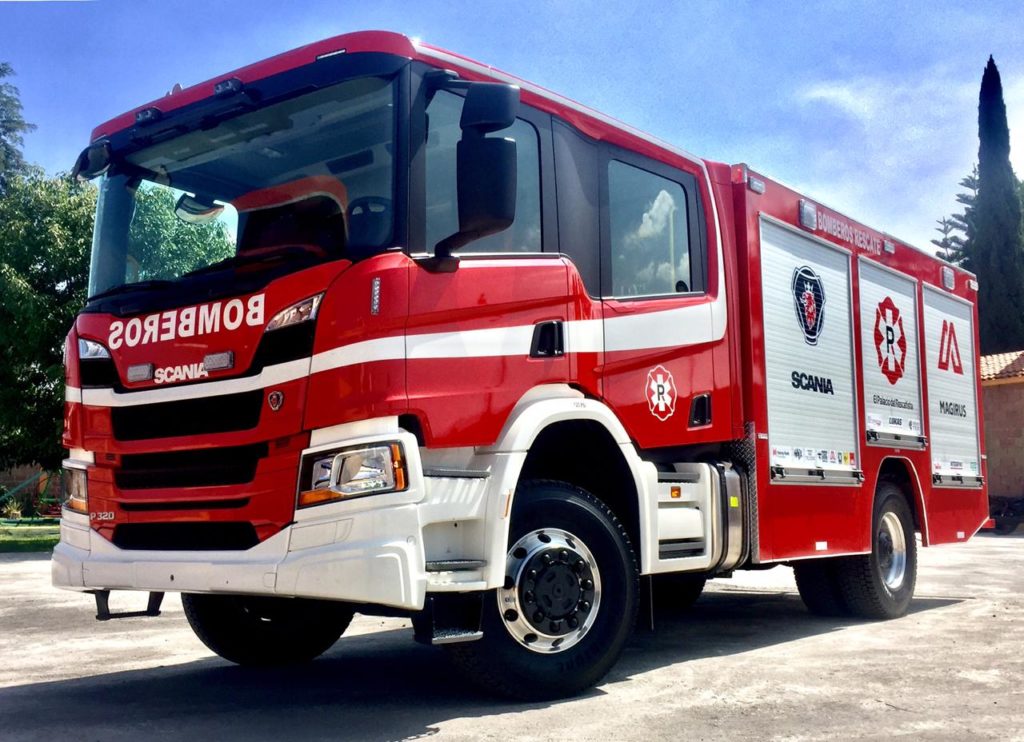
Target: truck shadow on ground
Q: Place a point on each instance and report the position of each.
(374, 686)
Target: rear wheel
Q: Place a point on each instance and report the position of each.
(569, 601)
(264, 631)
(1006, 524)
(817, 580)
(881, 584)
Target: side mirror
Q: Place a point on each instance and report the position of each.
(489, 106)
(93, 161)
(196, 210)
(486, 168)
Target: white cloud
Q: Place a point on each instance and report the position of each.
(905, 145)
(655, 219)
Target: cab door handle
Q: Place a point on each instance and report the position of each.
(548, 340)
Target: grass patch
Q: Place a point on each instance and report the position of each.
(28, 538)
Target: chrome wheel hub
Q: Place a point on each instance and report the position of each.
(892, 551)
(552, 591)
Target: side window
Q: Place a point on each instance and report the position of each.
(649, 231)
(442, 217)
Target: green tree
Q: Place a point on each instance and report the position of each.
(957, 230)
(12, 126)
(44, 258)
(996, 247)
(44, 265)
(165, 247)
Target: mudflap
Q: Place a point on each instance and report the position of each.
(448, 618)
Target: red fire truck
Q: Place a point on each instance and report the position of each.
(481, 356)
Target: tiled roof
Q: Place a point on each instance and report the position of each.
(1003, 366)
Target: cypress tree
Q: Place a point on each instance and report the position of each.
(997, 247)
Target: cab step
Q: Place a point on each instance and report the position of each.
(103, 606)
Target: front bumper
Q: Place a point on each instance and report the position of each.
(369, 550)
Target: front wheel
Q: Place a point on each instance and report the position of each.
(264, 631)
(881, 584)
(569, 601)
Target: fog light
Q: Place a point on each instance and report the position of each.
(356, 472)
(76, 490)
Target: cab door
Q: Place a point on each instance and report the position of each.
(660, 328)
(483, 334)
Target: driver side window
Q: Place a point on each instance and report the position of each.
(442, 217)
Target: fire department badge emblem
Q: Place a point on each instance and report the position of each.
(661, 393)
(809, 298)
(890, 341)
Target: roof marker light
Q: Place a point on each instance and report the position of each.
(948, 278)
(808, 215)
(147, 116)
(755, 184)
(228, 87)
(972, 284)
(889, 246)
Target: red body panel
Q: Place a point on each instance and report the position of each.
(792, 518)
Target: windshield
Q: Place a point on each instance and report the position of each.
(302, 181)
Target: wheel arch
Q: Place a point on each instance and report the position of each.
(533, 445)
(900, 471)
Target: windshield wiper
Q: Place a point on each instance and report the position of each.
(156, 283)
(240, 260)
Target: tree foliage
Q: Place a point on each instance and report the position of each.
(996, 247)
(165, 247)
(12, 126)
(957, 230)
(44, 258)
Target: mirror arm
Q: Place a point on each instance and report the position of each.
(445, 80)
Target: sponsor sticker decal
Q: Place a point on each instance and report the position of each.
(809, 299)
(661, 393)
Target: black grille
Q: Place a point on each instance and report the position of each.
(202, 468)
(185, 536)
(98, 372)
(286, 344)
(149, 507)
(222, 414)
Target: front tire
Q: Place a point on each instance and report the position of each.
(569, 602)
(881, 584)
(263, 631)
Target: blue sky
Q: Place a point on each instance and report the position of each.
(869, 107)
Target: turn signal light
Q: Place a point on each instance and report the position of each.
(76, 490)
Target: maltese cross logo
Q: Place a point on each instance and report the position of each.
(661, 392)
(890, 341)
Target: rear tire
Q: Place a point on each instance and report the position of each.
(263, 631)
(817, 580)
(569, 603)
(881, 584)
(1005, 525)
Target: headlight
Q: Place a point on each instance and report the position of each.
(355, 472)
(76, 490)
(90, 350)
(297, 313)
